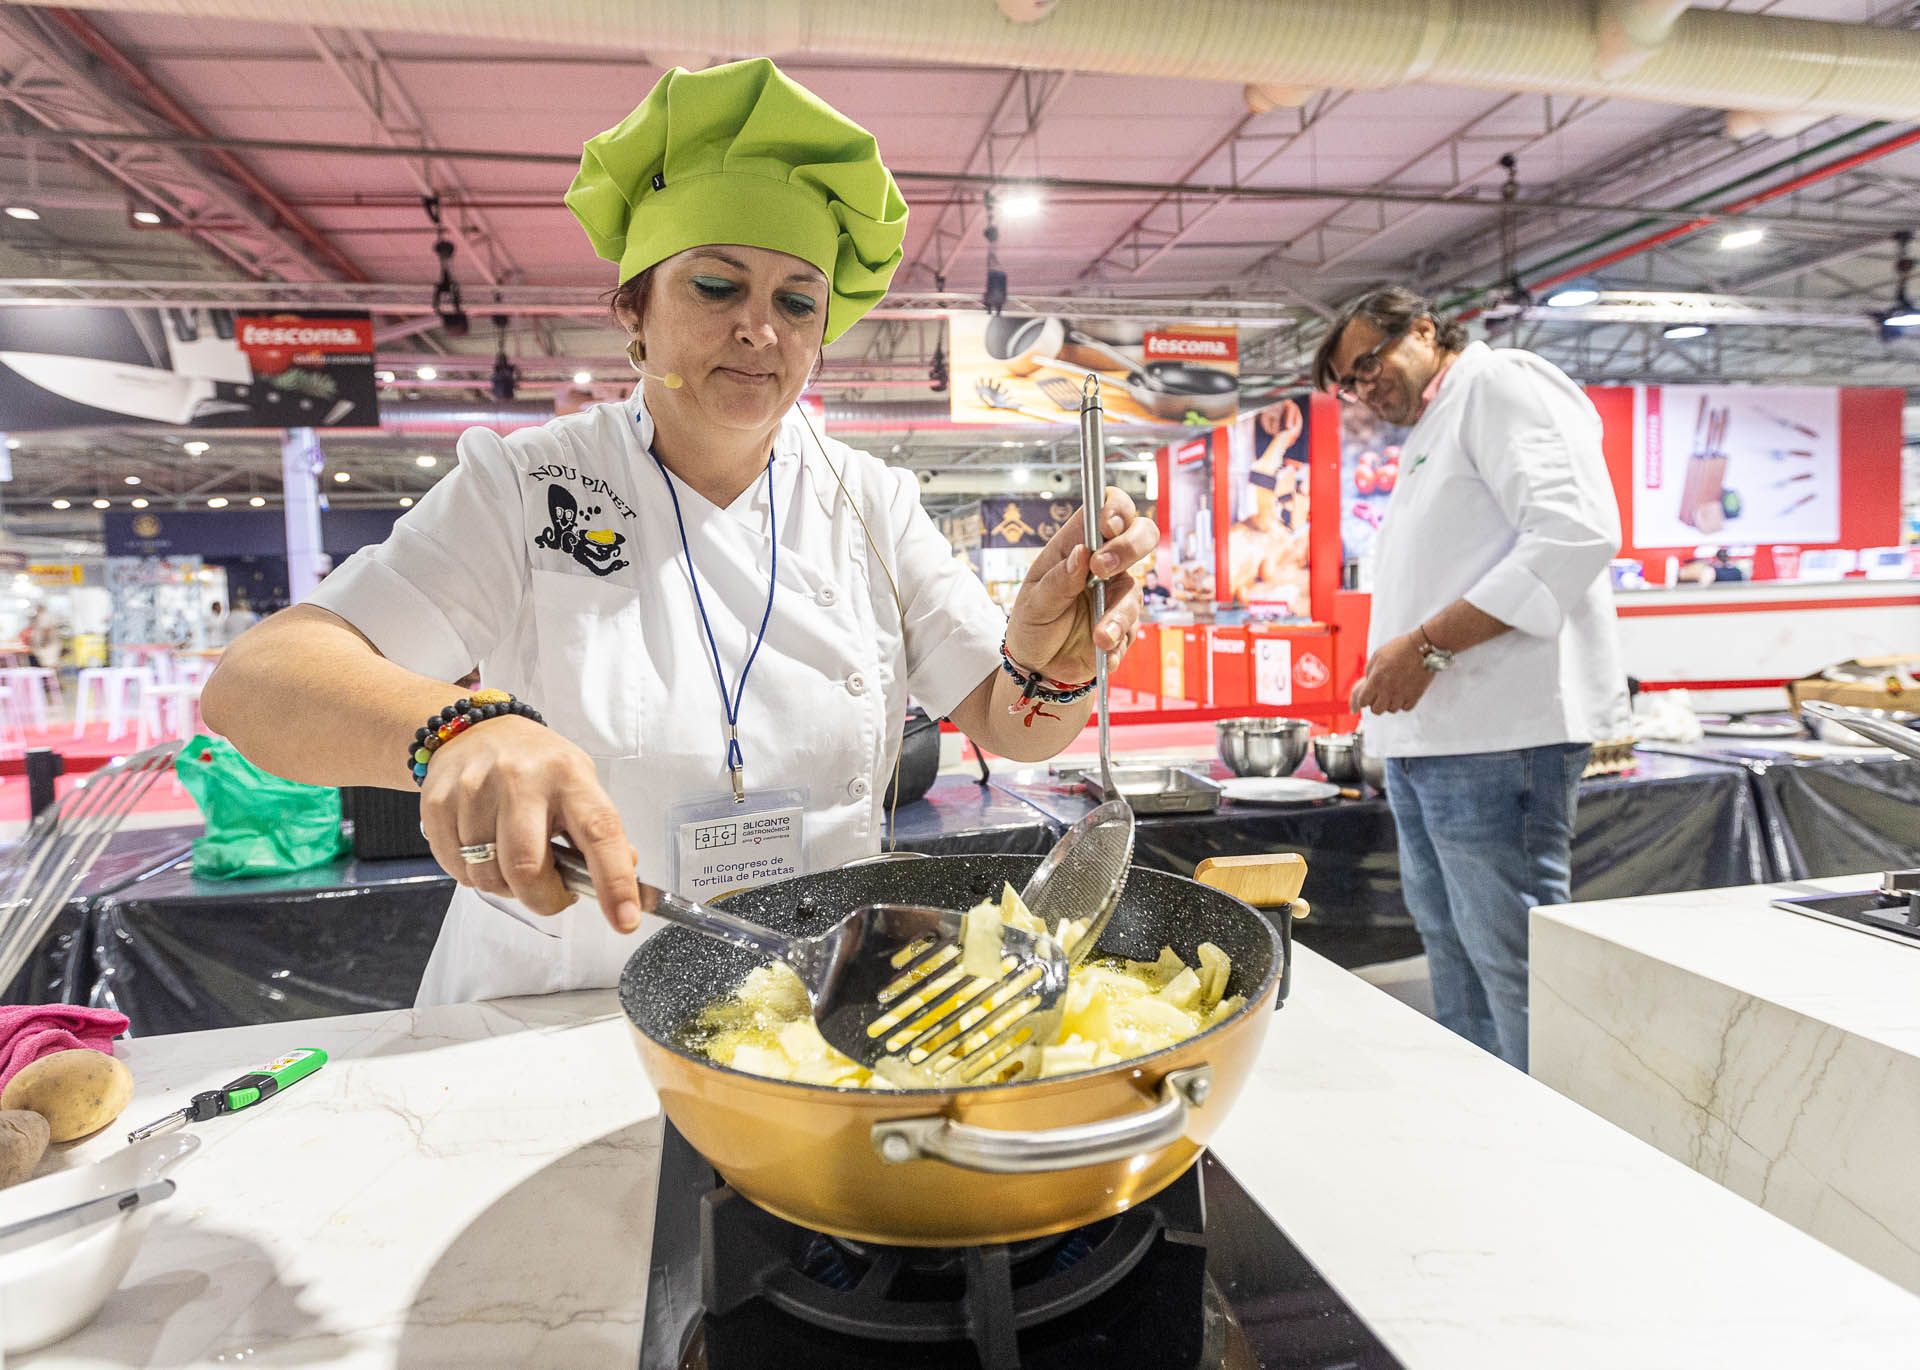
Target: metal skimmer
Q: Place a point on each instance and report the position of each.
(1084, 874)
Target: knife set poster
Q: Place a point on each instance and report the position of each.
(1739, 464)
(1027, 369)
(185, 368)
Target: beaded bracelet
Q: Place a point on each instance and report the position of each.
(455, 719)
(1033, 685)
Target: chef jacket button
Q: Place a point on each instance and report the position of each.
(858, 787)
(856, 684)
(826, 596)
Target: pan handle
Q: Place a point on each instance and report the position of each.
(899, 1140)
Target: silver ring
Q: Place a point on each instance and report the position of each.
(479, 853)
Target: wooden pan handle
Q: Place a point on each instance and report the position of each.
(1265, 881)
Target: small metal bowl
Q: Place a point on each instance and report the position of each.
(1338, 755)
(1263, 746)
(1373, 769)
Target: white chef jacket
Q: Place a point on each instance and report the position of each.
(1503, 498)
(509, 564)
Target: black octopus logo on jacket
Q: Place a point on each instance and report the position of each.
(597, 549)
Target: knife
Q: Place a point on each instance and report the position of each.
(141, 392)
(27, 1232)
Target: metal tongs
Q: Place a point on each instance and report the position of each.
(1868, 724)
(39, 876)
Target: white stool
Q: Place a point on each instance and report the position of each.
(191, 670)
(33, 688)
(168, 712)
(118, 694)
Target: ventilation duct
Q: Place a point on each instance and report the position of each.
(1718, 59)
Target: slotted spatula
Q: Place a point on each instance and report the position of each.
(886, 985)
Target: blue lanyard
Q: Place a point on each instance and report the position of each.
(731, 703)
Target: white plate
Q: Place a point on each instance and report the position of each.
(1752, 728)
(1260, 789)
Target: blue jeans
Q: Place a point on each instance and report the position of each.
(1484, 837)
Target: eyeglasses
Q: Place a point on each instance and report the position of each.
(1366, 367)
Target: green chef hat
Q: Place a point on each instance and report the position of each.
(742, 153)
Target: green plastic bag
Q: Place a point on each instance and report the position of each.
(257, 824)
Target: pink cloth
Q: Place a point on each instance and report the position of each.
(30, 1031)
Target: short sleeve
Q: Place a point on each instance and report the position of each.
(441, 591)
(954, 628)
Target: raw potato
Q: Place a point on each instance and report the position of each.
(78, 1092)
(23, 1141)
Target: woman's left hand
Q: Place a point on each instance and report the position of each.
(1051, 628)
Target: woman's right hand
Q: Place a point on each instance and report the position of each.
(517, 784)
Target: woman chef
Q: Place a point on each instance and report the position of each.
(708, 619)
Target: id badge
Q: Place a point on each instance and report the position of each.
(717, 846)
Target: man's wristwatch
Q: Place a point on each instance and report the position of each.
(1432, 657)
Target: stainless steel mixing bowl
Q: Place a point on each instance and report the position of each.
(1263, 746)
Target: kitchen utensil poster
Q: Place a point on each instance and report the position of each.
(84, 367)
(1736, 464)
(1266, 489)
(1028, 370)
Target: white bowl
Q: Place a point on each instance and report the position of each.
(54, 1287)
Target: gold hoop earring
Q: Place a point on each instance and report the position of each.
(637, 355)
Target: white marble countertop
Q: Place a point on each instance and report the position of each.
(1777, 1053)
(1851, 980)
(471, 1186)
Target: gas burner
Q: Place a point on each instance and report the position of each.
(1196, 1278)
(1892, 911)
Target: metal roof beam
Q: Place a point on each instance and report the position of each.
(1185, 206)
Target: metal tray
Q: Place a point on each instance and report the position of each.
(1157, 789)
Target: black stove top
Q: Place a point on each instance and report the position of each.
(1197, 1278)
(1892, 911)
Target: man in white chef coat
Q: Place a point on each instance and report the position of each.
(1493, 660)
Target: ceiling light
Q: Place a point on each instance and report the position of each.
(22, 212)
(384, 377)
(1573, 298)
(343, 476)
(194, 449)
(583, 378)
(217, 502)
(257, 502)
(406, 501)
(103, 504)
(63, 504)
(133, 480)
(1019, 204)
(1741, 237)
(427, 373)
(1685, 330)
(426, 459)
(1906, 318)
(1021, 475)
(140, 504)
(145, 216)
(1008, 442)
(13, 444)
